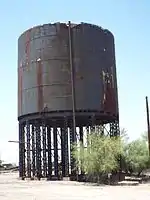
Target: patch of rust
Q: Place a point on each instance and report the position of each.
(39, 86)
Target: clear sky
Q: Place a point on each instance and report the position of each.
(128, 20)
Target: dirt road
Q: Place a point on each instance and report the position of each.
(13, 189)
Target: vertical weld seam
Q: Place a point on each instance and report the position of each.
(28, 48)
(20, 90)
(39, 85)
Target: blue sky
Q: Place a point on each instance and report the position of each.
(128, 20)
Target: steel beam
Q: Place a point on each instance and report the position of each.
(81, 143)
(38, 151)
(55, 150)
(73, 140)
(28, 150)
(64, 149)
(49, 152)
(44, 151)
(33, 151)
(114, 129)
(63, 152)
(21, 151)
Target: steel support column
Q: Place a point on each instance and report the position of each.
(55, 150)
(44, 151)
(114, 129)
(92, 123)
(28, 150)
(72, 160)
(81, 143)
(49, 152)
(21, 151)
(33, 151)
(64, 150)
(38, 151)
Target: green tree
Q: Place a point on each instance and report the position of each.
(137, 156)
(100, 156)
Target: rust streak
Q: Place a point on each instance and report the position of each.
(39, 86)
(109, 101)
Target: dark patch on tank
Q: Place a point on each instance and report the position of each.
(39, 85)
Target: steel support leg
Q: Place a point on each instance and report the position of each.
(81, 142)
(92, 123)
(81, 134)
(87, 135)
(49, 152)
(101, 129)
(55, 151)
(38, 151)
(72, 160)
(66, 152)
(33, 151)
(28, 150)
(114, 129)
(64, 149)
(21, 151)
(44, 151)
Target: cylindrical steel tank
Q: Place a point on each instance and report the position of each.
(67, 89)
(44, 77)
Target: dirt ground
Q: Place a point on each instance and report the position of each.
(13, 189)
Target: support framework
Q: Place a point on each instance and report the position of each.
(45, 145)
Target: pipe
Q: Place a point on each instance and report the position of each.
(148, 123)
(72, 81)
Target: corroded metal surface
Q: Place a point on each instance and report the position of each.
(43, 58)
(69, 69)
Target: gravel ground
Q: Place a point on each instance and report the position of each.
(13, 189)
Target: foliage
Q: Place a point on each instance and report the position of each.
(124, 136)
(144, 136)
(100, 156)
(102, 153)
(136, 155)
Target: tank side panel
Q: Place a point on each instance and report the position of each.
(19, 90)
(21, 64)
(78, 64)
(56, 74)
(93, 55)
(115, 72)
(94, 61)
(46, 76)
(40, 104)
(88, 67)
(111, 103)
